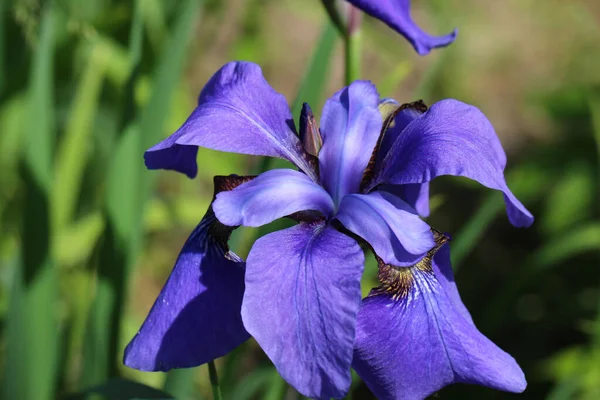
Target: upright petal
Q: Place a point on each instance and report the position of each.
(350, 127)
(396, 117)
(452, 138)
(388, 224)
(238, 111)
(413, 338)
(395, 123)
(196, 317)
(396, 14)
(302, 296)
(271, 195)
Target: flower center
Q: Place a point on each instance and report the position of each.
(397, 282)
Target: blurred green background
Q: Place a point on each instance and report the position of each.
(88, 236)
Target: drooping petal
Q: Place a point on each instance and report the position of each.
(442, 269)
(271, 195)
(396, 14)
(391, 226)
(302, 295)
(196, 317)
(238, 111)
(350, 127)
(414, 338)
(452, 138)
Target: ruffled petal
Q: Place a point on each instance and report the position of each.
(350, 128)
(452, 138)
(302, 296)
(388, 224)
(271, 195)
(196, 317)
(413, 338)
(239, 112)
(396, 14)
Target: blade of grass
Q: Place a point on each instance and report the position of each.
(32, 325)
(72, 152)
(127, 193)
(277, 388)
(313, 83)
(594, 103)
(469, 234)
(583, 239)
(3, 14)
(251, 384)
(99, 341)
(527, 184)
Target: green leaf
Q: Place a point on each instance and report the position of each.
(11, 141)
(392, 81)
(74, 147)
(570, 199)
(526, 182)
(3, 7)
(470, 233)
(315, 79)
(277, 387)
(249, 387)
(566, 245)
(75, 244)
(128, 190)
(32, 327)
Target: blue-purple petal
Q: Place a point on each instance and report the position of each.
(451, 138)
(414, 345)
(271, 195)
(401, 121)
(415, 195)
(350, 127)
(238, 111)
(392, 228)
(396, 14)
(197, 315)
(302, 296)
(442, 268)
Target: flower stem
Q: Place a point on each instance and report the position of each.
(214, 380)
(352, 45)
(352, 57)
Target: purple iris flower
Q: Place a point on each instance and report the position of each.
(362, 178)
(396, 14)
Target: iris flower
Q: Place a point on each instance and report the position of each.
(396, 14)
(361, 178)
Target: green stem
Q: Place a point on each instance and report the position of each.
(214, 380)
(334, 16)
(352, 53)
